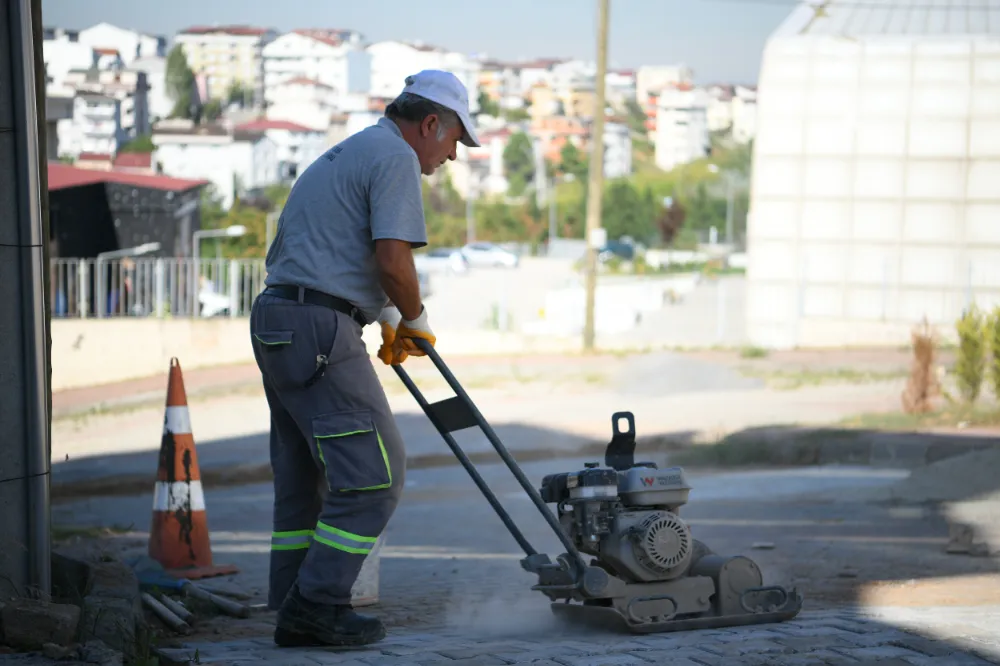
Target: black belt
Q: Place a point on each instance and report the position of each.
(313, 297)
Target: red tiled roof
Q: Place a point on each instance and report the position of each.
(305, 81)
(95, 157)
(242, 30)
(330, 37)
(263, 124)
(107, 51)
(134, 160)
(63, 176)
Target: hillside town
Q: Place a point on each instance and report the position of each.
(246, 107)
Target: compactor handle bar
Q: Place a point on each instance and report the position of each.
(459, 413)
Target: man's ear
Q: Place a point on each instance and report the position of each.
(428, 125)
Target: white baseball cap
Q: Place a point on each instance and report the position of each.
(445, 89)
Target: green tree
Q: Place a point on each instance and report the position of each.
(571, 162)
(515, 115)
(625, 211)
(487, 106)
(140, 144)
(519, 163)
(212, 111)
(635, 117)
(239, 94)
(179, 83)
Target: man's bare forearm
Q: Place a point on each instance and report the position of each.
(398, 276)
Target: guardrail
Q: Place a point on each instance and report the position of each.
(138, 287)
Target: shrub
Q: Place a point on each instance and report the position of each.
(993, 348)
(922, 384)
(970, 366)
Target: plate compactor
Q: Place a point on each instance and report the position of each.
(647, 573)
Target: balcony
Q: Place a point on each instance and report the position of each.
(98, 129)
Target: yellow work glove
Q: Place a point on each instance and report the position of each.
(389, 319)
(407, 330)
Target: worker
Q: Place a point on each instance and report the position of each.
(341, 260)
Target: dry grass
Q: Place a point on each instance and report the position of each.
(923, 385)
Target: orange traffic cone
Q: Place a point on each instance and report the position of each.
(179, 539)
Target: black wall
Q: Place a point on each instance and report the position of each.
(80, 222)
(142, 215)
(91, 219)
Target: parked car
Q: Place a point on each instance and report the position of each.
(488, 254)
(623, 251)
(446, 260)
(424, 280)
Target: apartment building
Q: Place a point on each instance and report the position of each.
(617, 149)
(227, 56)
(296, 146)
(129, 44)
(234, 161)
(654, 79)
(109, 109)
(681, 126)
(335, 58)
(744, 111)
(393, 61)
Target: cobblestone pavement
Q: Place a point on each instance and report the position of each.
(452, 589)
(813, 638)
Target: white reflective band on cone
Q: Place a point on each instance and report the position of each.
(174, 496)
(177, 421)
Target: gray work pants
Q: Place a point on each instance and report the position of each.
(336, 453)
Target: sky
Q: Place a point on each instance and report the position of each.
(721, 40)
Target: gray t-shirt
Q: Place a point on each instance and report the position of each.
(365, 188)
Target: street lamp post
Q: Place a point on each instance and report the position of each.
(730, 194)
(233, 231)
(138, 251)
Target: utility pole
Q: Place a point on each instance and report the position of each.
(25, 548)
(730, 203)
(596, 183)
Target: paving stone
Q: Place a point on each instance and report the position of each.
(466, 653)
(541, 654)
(668, 641)
(406, 650)
(810, 631)
(748, 634)
(923, 645)
(323, 658)
(809, 643)
(813, 658)
(30, 623)
(953, 659)
(884, 637)
(883, 652)
(681, 656)
(853, 625)
(751, 647)
(602, 660)
(395, 660)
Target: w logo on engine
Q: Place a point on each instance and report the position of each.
(647, 480)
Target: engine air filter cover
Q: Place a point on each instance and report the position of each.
(592, 483)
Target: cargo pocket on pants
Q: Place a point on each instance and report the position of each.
(352, 451)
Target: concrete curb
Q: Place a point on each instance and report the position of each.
(795, 446)
(770, 446)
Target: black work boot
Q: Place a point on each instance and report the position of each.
(303, 623)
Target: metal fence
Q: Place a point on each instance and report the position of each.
(136, 287)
